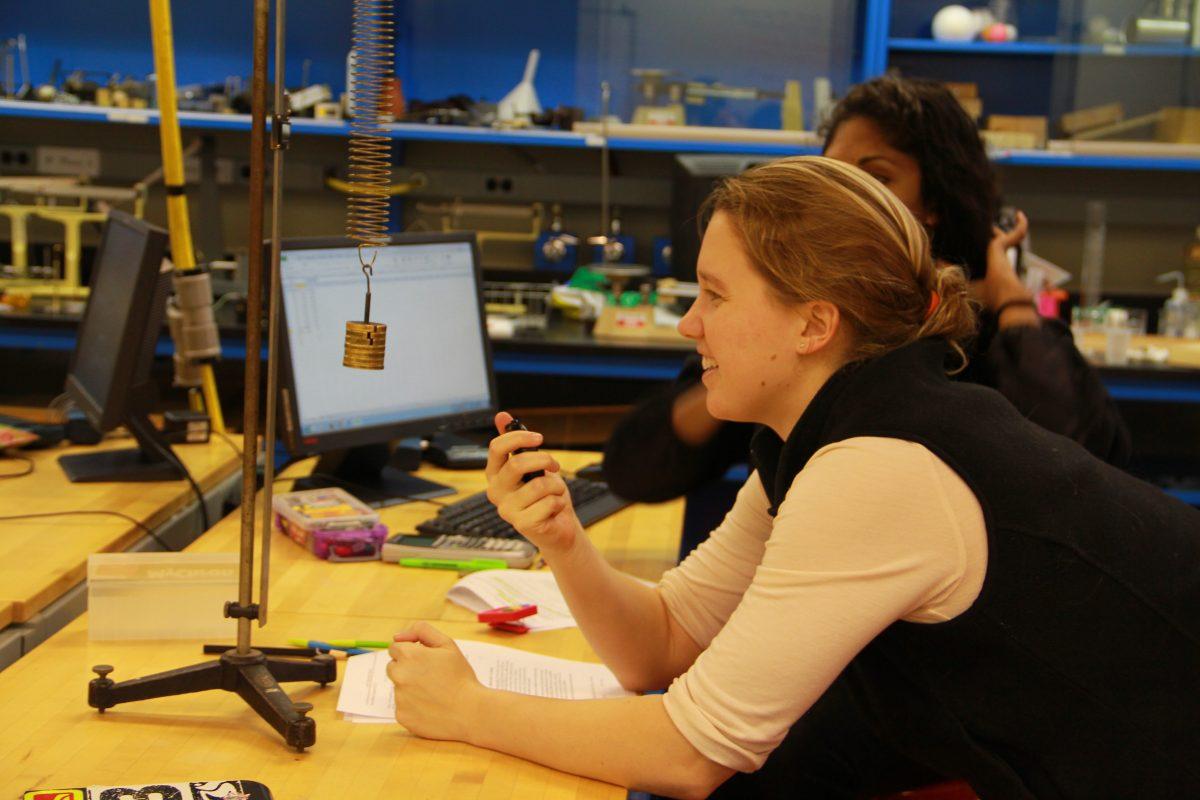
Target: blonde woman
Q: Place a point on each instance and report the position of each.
(915, 583)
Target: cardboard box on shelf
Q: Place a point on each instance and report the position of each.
(1009, 140)
(1084, 119)
(1178, 124)
(962, 89)
(1014, 124)
(968, 97)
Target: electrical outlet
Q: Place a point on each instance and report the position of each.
(191, 170)
(226, 171)
(16, 159)
(498, 185)
(69, 161)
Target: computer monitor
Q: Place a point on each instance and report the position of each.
(693, 178)
(109, 377)
(438, 366)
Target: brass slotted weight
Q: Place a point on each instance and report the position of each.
(366, 341)
(365, 344)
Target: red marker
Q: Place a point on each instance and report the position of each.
(503, 614)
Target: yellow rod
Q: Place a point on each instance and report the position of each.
(212, 401)
(172, 150)
(173, 175)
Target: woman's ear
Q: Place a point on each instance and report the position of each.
(929, 218)
(817, 325)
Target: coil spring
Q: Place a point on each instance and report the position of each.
(370, 147)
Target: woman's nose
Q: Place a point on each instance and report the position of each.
(689, 326)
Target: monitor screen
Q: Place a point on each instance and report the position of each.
(109, 379)
(425, 288)
(693, 177)
(123, 305)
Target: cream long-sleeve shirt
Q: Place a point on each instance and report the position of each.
(872, 530)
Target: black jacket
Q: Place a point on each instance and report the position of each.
(1037, 368)
(1076, 672)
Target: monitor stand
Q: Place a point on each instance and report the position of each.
(147, 462)
(374, 474)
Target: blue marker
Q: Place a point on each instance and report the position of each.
(327, 648)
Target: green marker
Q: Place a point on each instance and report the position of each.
(360, 643)
(471, 565)
(339, 643)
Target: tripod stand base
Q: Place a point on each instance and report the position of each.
(253, 676)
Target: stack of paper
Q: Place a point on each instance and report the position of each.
(493, 588)
(367, 694)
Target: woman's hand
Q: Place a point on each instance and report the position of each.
(1001, 283)
(541, 509)
(437, 693)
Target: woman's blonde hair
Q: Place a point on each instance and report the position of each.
(820, 229)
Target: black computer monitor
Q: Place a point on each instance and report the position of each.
(438, 365)
(693, 178)
(109, 377)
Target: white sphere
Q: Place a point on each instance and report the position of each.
(983, 17)
(954, 24)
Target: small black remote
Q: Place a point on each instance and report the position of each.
(516, 425)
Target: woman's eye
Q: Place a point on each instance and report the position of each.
(713, 296)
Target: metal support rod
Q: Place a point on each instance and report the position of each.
(605, 95)
(258, 125)
(279, 137)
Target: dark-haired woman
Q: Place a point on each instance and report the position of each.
(914, 137)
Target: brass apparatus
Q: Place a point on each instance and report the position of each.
(370, 168)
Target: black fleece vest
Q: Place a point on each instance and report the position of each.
(1076, 672)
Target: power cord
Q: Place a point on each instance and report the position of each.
(169, 454)
(149, 532)
(195, 489)
(230, 442)
(27, 471)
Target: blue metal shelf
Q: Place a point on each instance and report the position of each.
(1050, 158)
(620, 365)
(616, 364)
(399, 131)
(540, 138)
(690, 146)
(320, 127)
(63, 340)
(148, 116)
(16, 338)
(877, 16)
(1186, 391)
(1041, 48)
(1189, 496)
(465, 135)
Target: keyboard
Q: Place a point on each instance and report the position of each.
(472, 528)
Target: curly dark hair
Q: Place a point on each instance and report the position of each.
(923, 119)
